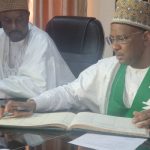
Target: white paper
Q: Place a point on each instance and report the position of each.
(108, 142)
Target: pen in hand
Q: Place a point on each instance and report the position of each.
(18, 109)
(15, 113)
(7, 115)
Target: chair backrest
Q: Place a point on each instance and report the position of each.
(80, 40)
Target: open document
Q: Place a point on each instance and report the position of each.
(107, 142)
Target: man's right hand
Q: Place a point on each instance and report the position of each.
(17, 109)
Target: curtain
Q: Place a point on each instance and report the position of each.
(44, 10)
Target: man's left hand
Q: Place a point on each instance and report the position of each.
(142, 119)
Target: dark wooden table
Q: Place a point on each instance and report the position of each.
(25, 139)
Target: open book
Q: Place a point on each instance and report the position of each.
(83, 120)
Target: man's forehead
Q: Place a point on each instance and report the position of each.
(122, 29)
(13, 13)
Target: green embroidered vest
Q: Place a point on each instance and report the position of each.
(116, 105)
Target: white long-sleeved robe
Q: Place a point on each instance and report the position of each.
(92, 89)
(30, 66)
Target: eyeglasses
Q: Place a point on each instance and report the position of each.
(121, 39)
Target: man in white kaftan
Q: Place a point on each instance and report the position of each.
(30, 65)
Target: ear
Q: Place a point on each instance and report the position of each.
(28, 13)
(147, 36)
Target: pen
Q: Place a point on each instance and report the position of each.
(7, 115)
(10, 115)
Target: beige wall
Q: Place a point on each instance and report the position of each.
(103, 10)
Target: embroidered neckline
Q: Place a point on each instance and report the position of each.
(7, 69)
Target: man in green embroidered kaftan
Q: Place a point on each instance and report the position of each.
(118, 85)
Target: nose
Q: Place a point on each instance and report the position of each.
(116, 46)
(13, 25)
